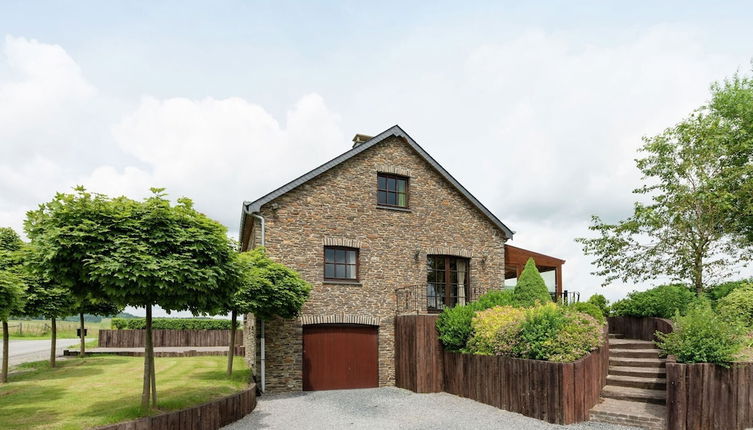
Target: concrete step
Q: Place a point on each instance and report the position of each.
(633, 353)
(616, 335)
(632, 344)
(658, 397)
(644, 372)
(637, 382)
(636, 362)
(633, 414)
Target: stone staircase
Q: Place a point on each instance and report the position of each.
(636, 389)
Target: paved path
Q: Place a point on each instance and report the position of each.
(23, 351)
(388, 408)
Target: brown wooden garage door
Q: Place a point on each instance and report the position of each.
(339, 356)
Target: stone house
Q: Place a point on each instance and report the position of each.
(380, 230)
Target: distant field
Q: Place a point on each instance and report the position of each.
(40, 329)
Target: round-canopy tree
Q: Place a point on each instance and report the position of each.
(49, 301)
(136, 253)
(266, 289)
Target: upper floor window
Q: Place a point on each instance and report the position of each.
(340, 263)
(392, 190)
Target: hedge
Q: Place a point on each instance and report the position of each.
(171, 324)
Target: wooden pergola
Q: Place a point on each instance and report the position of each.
(516, 258)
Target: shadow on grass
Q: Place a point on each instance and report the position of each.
(24, 406)
(126, 408)
(242, 376)
(71, 368)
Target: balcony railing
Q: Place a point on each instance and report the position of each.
(414, 298)
(566, 297)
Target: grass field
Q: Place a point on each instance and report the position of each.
(40, 329)
(83, 393)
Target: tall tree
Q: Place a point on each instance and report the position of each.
(12, 287)
(266, 289)
(732, 100)
(682, 228)
(136, 253)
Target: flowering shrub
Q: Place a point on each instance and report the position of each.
(495, 330)
(543, 332)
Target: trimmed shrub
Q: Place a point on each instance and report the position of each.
(702, 336)
(496, 298)
(495, 330)
(171, 324)
(737, 306)
(600, 302)
(663, 302)
(454, 324)
(555, 334)
(531, 288)
(588, 309)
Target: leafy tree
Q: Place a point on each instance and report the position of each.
(90, 306)
(684, 230)
(531, 287)
(137, 253)
(732, 100)
(267, 289)
(12, 287)
(49, 301)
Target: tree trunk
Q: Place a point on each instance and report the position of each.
(82, 337)
(154, 375)
(698, 275)
(53, 341)
(6, 342)
(147, 361)
(231, 349)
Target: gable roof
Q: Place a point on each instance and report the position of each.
(394, 131)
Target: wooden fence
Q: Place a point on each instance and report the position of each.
(643, 328)
(209, 416)
(706, 396)
(418, 354)
(561, 393)
(135, 338)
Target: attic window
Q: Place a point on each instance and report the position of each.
(392, 190)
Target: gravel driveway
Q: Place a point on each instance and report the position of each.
(387, 408)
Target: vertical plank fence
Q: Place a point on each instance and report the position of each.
(561, 393)
(643, 328)
(135, 338)
(705, 396)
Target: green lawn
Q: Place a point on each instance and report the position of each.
(83, 393)
(40, 329)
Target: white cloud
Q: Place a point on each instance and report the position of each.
(218, 152)
(541, 126)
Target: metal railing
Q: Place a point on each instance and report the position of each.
(566, 297)
(414, 298)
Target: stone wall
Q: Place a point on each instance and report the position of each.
(340, 206)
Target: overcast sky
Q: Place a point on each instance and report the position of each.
(537, 109)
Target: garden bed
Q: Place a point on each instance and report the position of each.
(560, 393)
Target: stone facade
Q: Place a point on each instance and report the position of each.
(339, 208)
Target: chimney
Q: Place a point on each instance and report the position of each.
(360, 138)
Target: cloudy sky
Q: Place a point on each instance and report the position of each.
(537, 109)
